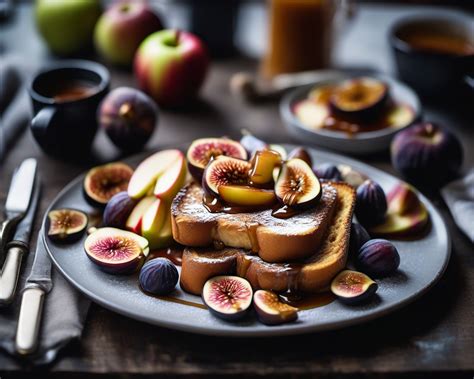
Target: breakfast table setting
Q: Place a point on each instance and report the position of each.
(162, 197)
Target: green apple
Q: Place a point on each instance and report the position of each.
(147, 172)
(67, 26)
(122, 28)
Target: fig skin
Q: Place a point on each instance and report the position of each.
(252, 144)
(271, 311)
(203, 150)
(129, 118)
(359, 236)
(228, 289)
(69, 233)
(158, 276)
(378, 258)
(328, 171)
(302, 154)
(427, 154)
(371, 203)
(118, 209)
(353, 287)
(111, 178)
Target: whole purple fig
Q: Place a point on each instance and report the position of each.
(427, 154)
(158, 276)
(129, 117)
(371, 203)
(359, 236)
(378, 258)
(327, 171)
(118, 209)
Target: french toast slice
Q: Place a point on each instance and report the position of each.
(313, 274)
(273, 239)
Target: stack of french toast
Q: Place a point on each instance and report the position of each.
(261, 216)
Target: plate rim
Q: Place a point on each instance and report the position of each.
(290, 329)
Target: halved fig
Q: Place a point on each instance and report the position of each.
(263, 164)
(360, 98)
(297, 186)
(352, 287)
(301, 153)
(247, 196)
(225, 171)
(271, 311)
(227, 297)
(203, 150)
(103, 182)
(66, 225)
(116, 251)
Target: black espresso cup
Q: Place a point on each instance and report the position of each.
(65, 98)
(434, 54)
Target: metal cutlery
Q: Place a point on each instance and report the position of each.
(18, 200)
(37, 286)
(17, 248)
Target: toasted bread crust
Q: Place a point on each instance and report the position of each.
(314, 274)
(274, 240)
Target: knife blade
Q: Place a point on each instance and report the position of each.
(18, 200)
(17, 248)
(37, 286)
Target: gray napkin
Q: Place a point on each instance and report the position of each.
(459, 196)
(65, 311)
(15, 108)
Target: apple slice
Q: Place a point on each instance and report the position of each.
(246, 195)
(168, 184)
(145, 175)
(164, 238)
(134, 221)
(153, 220)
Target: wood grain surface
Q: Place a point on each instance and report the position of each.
(434, 337)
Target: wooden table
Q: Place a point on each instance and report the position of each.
(434, 337)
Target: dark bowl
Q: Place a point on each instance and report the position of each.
(434, 74)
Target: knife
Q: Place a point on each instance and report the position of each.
(37, 286)
(17, 248)
(18, 200)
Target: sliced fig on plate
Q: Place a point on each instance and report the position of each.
(103, 182)
(225, 171)
(297, 186)
(263, 164)
(271, 311)
(352, 287)
(227, 297)
(360, 98)
(116, 251)
(66, 225)
(204, 150)
(247, 196)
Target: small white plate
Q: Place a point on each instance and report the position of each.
(358, 144)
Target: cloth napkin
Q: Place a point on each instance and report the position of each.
(64, 314)
(459, 196)
(15, 107)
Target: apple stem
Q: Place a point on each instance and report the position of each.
(177, 34)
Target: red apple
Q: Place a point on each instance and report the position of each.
(170, 65)
(122, 28)
(134, 220)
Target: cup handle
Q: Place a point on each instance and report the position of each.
(40, 123)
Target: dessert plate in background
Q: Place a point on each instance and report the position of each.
(423, 262)
(358, 143)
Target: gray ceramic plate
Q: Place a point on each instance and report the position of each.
(422, 264)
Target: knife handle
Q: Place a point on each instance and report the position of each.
(10, 273)
(6, 230)
(29, 321)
